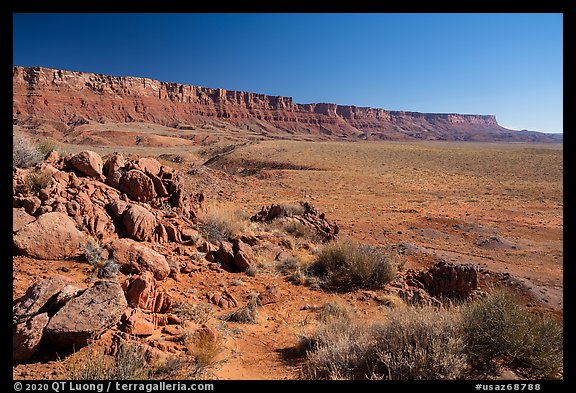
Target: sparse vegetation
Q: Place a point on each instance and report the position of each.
(346, 265)
(36, 181)
(199, 312)
(246, 314)
(498, 328)
(25, 153)
(129, 363)
(46, 146)
(223, 224)
(410, 344)
(94, 255)
(419, 343)
(202, 349)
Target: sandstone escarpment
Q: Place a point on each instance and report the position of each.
(76, 98)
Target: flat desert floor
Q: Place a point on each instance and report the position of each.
(499, 206)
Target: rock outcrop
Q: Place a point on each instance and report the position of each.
(52, 236)
(86, 316)
(76, 98)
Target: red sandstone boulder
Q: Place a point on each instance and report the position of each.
(87, 316)
(38, 296)
(138, 186)
(270, 295)
(138, 223)
(20, 219)
(88, 162)
(27, 337)
(243, 256)
(138, 323)
(149, 165)
(136, 258)
(52, 236)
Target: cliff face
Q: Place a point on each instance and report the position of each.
(76, 97)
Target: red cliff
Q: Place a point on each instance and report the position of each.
(77, 97)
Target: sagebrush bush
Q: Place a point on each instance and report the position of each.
(25, 153)
(202, 349)
(423, 343)
(223, 224)
(338, 348)
(199, 312)
(419, 343)
(346, 265)
(46, 146)
(129, 363)
(93, 252)
(498, 328)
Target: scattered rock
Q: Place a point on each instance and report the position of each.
(451, 279)
(136, 322)
(38, 297)
(222, 299)
(243, 256)
(270, 295)
(52, 236)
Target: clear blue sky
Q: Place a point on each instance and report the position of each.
(509, 65)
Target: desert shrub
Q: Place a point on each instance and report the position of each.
(223, 224)
(411, 343)
(129, 363)
(93, 365)
(246, 314)
(46, 146)
(93, 252)
(347, 265)
(199, 312)
(300, 230)
(419, 343)
(108, 269)
(36, 181)
(293, 209)
(25, 154)
(338, 348)
(498, 328)
(202, 350)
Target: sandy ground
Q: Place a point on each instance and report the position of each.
(497, 205)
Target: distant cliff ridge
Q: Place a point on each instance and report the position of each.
(77, 97)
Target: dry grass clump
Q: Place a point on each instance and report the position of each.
(498, 328)
(25, 154)
(36, 181)
(93, 253)
(346, 265)
(223, 224)
(129, 363)
(410, 344)
(202, 349)
(246, 314)
(199, 312)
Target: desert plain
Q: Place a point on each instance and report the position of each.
(496, 205)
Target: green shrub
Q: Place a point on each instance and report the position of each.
(346, 265)
(24, 153)
(46, 146)
(498, 328)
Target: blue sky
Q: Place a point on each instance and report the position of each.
(508, 65)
